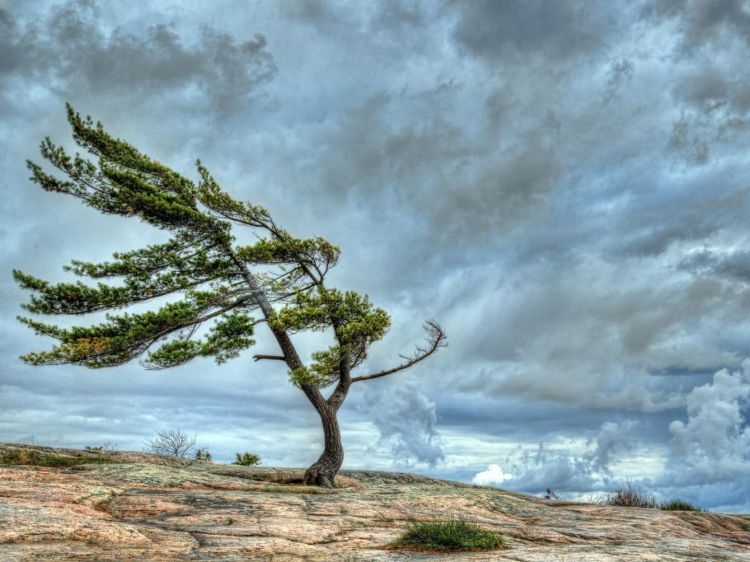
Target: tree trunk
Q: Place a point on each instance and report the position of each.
(322, 472)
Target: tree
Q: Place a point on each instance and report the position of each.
(247, 459)
(171, 443)
(208, 291)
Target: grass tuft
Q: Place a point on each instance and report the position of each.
(629, 496)
(678, 505)
(448, 535)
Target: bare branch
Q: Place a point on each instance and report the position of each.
(436, 339)
(272, 357)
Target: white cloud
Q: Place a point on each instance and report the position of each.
(493, 476)
(567, 465)
(714, 442)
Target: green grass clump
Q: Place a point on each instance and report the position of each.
(448, 535)
(31, 457)
(678, 505)
(628, 496)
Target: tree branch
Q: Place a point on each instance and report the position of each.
(436, 339)
(273, 357)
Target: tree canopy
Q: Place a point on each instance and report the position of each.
(209, 291)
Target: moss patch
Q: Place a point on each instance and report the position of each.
(32, 457)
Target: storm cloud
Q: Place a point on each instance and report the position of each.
(563, 185)
(70, 51)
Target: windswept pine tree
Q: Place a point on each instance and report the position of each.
(219, 289)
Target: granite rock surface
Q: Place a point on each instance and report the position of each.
(131, 506)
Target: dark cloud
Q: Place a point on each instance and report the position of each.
(657, 220)
(69, 52)
(734, 264)
(620, 73)
(313, 11)
(711, 85)
(508, 30)
(399, 16)
(703, 24)
(429, 166)
(590, 336)
(613, 439)
(406, 420)
(393, 18)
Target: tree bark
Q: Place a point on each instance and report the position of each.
(323, 471)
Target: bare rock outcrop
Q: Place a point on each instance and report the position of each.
(131, 506)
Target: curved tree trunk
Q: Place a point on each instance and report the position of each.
(322, 471)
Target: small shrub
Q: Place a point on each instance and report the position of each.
(448, 535)
(106, 447)
(171, 443)
(247, 459)
(629, 496)
(202, 455)
(21, 456)
(678, 505)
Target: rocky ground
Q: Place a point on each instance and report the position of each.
(132, 506)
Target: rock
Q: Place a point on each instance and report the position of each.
(133, 506)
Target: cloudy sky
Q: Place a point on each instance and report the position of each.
(565, 186)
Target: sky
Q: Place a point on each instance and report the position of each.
(563, 185)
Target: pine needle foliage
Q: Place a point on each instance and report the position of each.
(200, 263)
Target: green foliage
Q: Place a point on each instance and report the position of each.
(287, 249)
(678, 505)
(197, 264)
(207, 291)
(448, 535)
(123, 337)
(222, 204)
(350, 314)
(629, 496)
(212, 316)
(355, 322)
(203, 454)
(247, 459)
